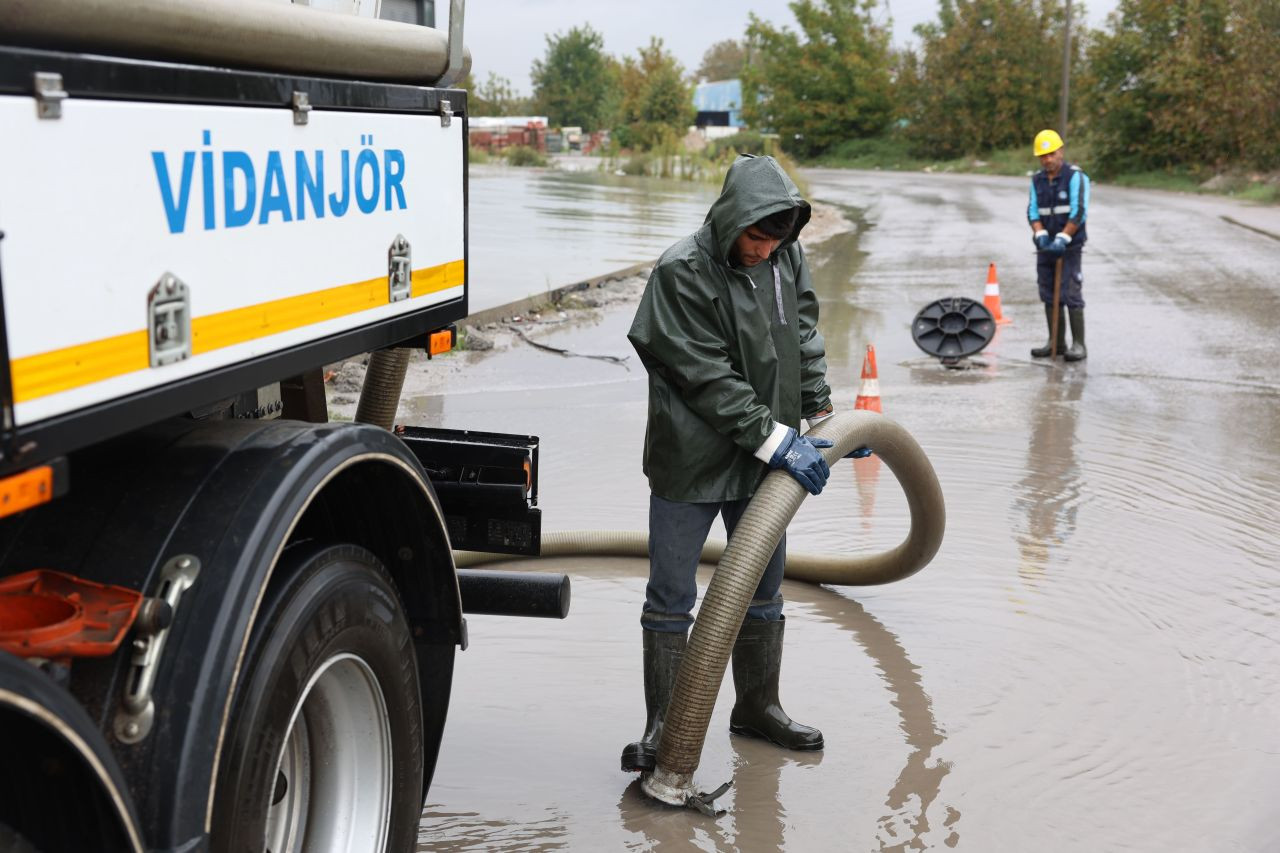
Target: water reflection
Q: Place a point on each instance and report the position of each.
(469, 831)
(757, 768)
(654, 826)
(1044, 513)
(755, 818)
(755, 805)
(834, 264)
(919, 782)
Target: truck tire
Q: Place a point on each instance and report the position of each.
(12, 842)
(324, 747)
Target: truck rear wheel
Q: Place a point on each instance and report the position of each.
(324, 749)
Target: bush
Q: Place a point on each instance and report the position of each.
(637, 164)
(478, 155)
(742, 142)
(523, 155)
(876, 152)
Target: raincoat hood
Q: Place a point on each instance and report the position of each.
(754, 188)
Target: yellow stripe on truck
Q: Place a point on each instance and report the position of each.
(431, 279)
(46, 373)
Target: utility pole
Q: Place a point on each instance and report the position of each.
(1066, 74)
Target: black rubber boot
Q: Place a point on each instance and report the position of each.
(1077, 351)
(662, 654)
(1043, 352)
(757, 662)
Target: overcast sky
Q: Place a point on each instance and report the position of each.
(505, 36)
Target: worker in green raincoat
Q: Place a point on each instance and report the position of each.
(728, 332)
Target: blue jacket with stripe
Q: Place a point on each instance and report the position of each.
(1061, 200)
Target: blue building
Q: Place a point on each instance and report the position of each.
(719, 104)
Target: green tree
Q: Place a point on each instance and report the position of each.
(988, 76)
(657, 100)
(576, 83)
(724, 60)
(1186, 83)
(823, 85)
(494, 97)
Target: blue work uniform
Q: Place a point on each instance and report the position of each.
(1055, 202)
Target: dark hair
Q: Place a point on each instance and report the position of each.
(778, 225)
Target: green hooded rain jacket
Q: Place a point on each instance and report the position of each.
(728, 356)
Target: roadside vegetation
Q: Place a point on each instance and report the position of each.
(1169, 94)
(523, 155)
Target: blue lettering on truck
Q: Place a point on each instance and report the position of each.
(279, 187)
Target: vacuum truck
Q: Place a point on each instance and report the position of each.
(225, 622)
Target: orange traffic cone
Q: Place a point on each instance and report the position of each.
(991, 297)
(869, 393)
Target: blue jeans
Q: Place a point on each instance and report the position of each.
(1071, 293)
(677, 532)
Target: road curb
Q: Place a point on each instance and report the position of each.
(550, 298)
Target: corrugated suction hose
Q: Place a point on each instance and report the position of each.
(383, 381)
(741, 564)
(736, 577)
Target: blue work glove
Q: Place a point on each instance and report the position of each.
(860, 453)
(800, 456)
(1058, 247)
(1042, 240)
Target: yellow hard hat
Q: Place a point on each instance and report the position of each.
(1047, 142)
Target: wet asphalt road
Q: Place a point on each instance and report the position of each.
(1090, 662)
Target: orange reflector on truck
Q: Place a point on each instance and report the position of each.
(50, 614)
(441, 341)
(23, 491)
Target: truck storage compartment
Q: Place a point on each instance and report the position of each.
(487, 483)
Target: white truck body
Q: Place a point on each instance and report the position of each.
(280, 232)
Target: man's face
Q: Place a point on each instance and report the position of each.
(754, 246)
(1051, 162)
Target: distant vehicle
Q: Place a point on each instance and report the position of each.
(226, 623)
(572, 138)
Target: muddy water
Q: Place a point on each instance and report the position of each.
(535, 229)
(1091, 661)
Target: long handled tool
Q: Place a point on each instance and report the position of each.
(1053, 324)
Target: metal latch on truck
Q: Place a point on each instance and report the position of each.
(169, 320)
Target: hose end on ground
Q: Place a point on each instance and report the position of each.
(676, 789)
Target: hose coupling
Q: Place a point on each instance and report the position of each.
(676, 789)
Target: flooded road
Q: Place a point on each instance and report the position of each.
(532, 230)
(1089, 663)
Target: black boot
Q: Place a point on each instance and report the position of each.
(662, 654)
(1043, 352)
(757, 661)
(1077, 351)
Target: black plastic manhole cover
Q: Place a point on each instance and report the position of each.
(953, 327)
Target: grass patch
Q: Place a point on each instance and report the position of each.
(523, 155)
(1265, 193)
(478, 155)
(1261, 188)
(1176, 181)
(872, 153)
(893, 153)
